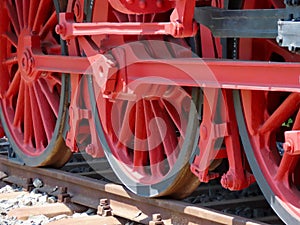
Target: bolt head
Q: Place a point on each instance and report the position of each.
(159, 3)
(156, 217)
(103, 201)
(142, 4)
(287, 146)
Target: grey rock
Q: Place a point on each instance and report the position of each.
(38, 183)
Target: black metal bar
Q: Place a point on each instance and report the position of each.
(255, 23)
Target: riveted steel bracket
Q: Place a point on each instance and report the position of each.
(258, 23)
(289, 35)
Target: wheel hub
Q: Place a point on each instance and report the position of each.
(28, 42)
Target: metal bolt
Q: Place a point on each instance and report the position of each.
(156, 217)
(159, 3)
(60, 29)
(29, 186)
(156, 220)
(103, 201)
(38, 183)
(287, 146)
(142, 4)
(292, 48)
(279, 40)
(63, 196)
(203, 132)
(90, 149)
(104, 208)
(63, 190)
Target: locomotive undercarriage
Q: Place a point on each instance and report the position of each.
(184, 114)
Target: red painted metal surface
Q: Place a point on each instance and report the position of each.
(268, 75)
(139, 126)
(68, 29)
(30, 98)
(1, 131)
(272, 121)
(195, 72)
(219, 122)
(280, 169)
(142, 6)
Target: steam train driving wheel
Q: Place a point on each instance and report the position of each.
(263, 118)
(148, 132)
(32, 103)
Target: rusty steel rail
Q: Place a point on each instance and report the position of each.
(86, 191)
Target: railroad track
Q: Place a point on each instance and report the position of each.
(78, 190)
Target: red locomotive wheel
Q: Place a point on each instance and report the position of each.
(149, 134)
(33, 104)
(149, 141)
(263, 117)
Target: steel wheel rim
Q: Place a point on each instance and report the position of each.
(35, 131)
(175, 184)
(262, 137)
(277, 194)
(154, 187)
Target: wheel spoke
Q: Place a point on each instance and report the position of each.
(167, 132)
(54, 50)
(28, 129)
(156, 153)
(286, 168)
(174, 116)
(25, 12)
(140, 157)
(183, 106)
(31, 110)
(39, 132)
(12, 14)
(122, 137)
(45, 111)
(282, 113)
(49, 26)
(52, 81)
(11, 61)
(41, 14)
(56, 78)
(296, 125)
(12, 38)
(14, 86)
(18, 119)
(127, 125)
(52, 98)
(275, 173)
(33, 6)
(19, 6)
